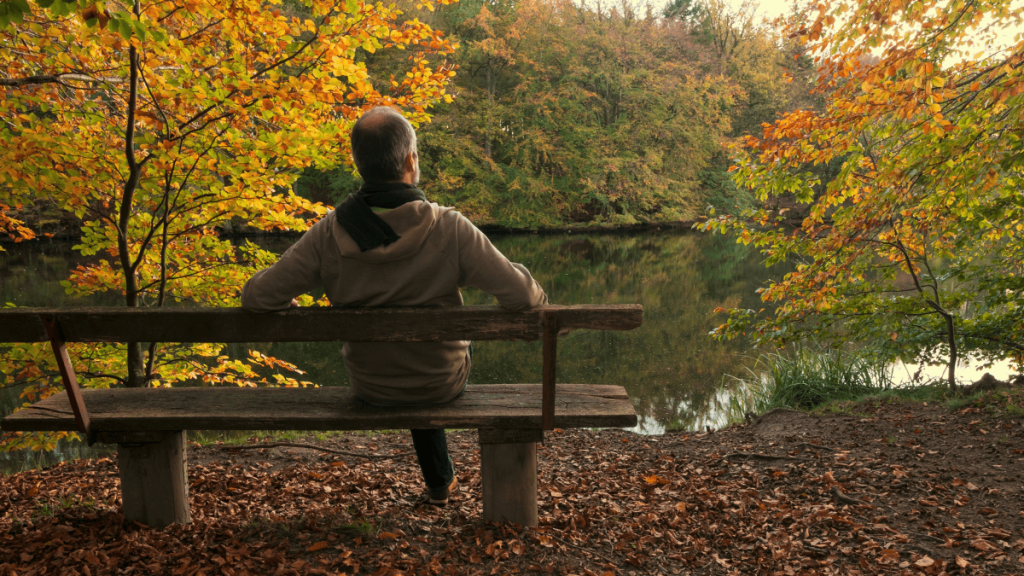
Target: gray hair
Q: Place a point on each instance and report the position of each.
(381, 141)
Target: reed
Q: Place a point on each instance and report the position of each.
(809, 377)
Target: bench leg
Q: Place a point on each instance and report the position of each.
(154, 479)
(508, 466)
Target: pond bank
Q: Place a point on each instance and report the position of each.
(68, 230)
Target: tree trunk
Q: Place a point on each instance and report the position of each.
(954, 355)
(136, 376)
(490, 110)
(136, 367)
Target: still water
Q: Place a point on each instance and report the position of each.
(674, 373)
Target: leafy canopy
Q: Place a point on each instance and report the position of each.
(915, 246)
(154, 123)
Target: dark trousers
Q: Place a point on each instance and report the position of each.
(432, 452)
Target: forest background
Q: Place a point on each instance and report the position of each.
(567, 113)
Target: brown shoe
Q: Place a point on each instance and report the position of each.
(439, 496)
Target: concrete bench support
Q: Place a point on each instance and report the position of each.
(154, 479)
(508, 467)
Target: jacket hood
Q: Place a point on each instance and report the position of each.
(412, 221)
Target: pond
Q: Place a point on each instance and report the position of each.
(674, 373)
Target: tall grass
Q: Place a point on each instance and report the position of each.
(806, 378)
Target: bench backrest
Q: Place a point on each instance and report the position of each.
(310, 324)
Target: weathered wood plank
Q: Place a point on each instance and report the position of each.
(508, 474)
(68, 377)
(509, 406)
(492, 436)
(309, 324)
(154, 481)
(549, 370)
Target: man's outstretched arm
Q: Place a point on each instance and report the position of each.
(483, 266)
(297, 272)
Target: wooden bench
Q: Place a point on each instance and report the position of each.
(149, 425)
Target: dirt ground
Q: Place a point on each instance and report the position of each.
(877, 488)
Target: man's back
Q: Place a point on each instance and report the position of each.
(437, 251)
(387, 245)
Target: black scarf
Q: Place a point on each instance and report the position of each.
(356, 216)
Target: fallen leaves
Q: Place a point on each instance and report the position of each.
(659, 506)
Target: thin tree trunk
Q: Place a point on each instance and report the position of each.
(935, 304)
(136, 376)
(490, 110)
(953, 352)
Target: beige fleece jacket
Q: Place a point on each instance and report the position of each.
(438, 251)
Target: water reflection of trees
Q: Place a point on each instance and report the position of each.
(670, 367)
(31, 273)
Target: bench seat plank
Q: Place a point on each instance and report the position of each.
(505, 406)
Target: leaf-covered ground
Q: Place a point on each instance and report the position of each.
(883, 489)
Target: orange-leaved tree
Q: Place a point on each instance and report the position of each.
(156, 122)
(916, 245)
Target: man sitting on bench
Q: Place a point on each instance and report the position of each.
(387, 245)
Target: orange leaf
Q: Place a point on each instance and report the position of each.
(318, 546)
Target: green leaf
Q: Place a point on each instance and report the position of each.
(124, 28)
(140, 29)
(62, 8)
(13, 11)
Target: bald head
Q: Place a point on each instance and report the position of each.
(382, 142)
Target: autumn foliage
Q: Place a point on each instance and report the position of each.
(581, 113)
(154, 123)
(902, 198)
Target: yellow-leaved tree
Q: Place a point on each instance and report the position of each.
(916, 246)
(156, 122)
